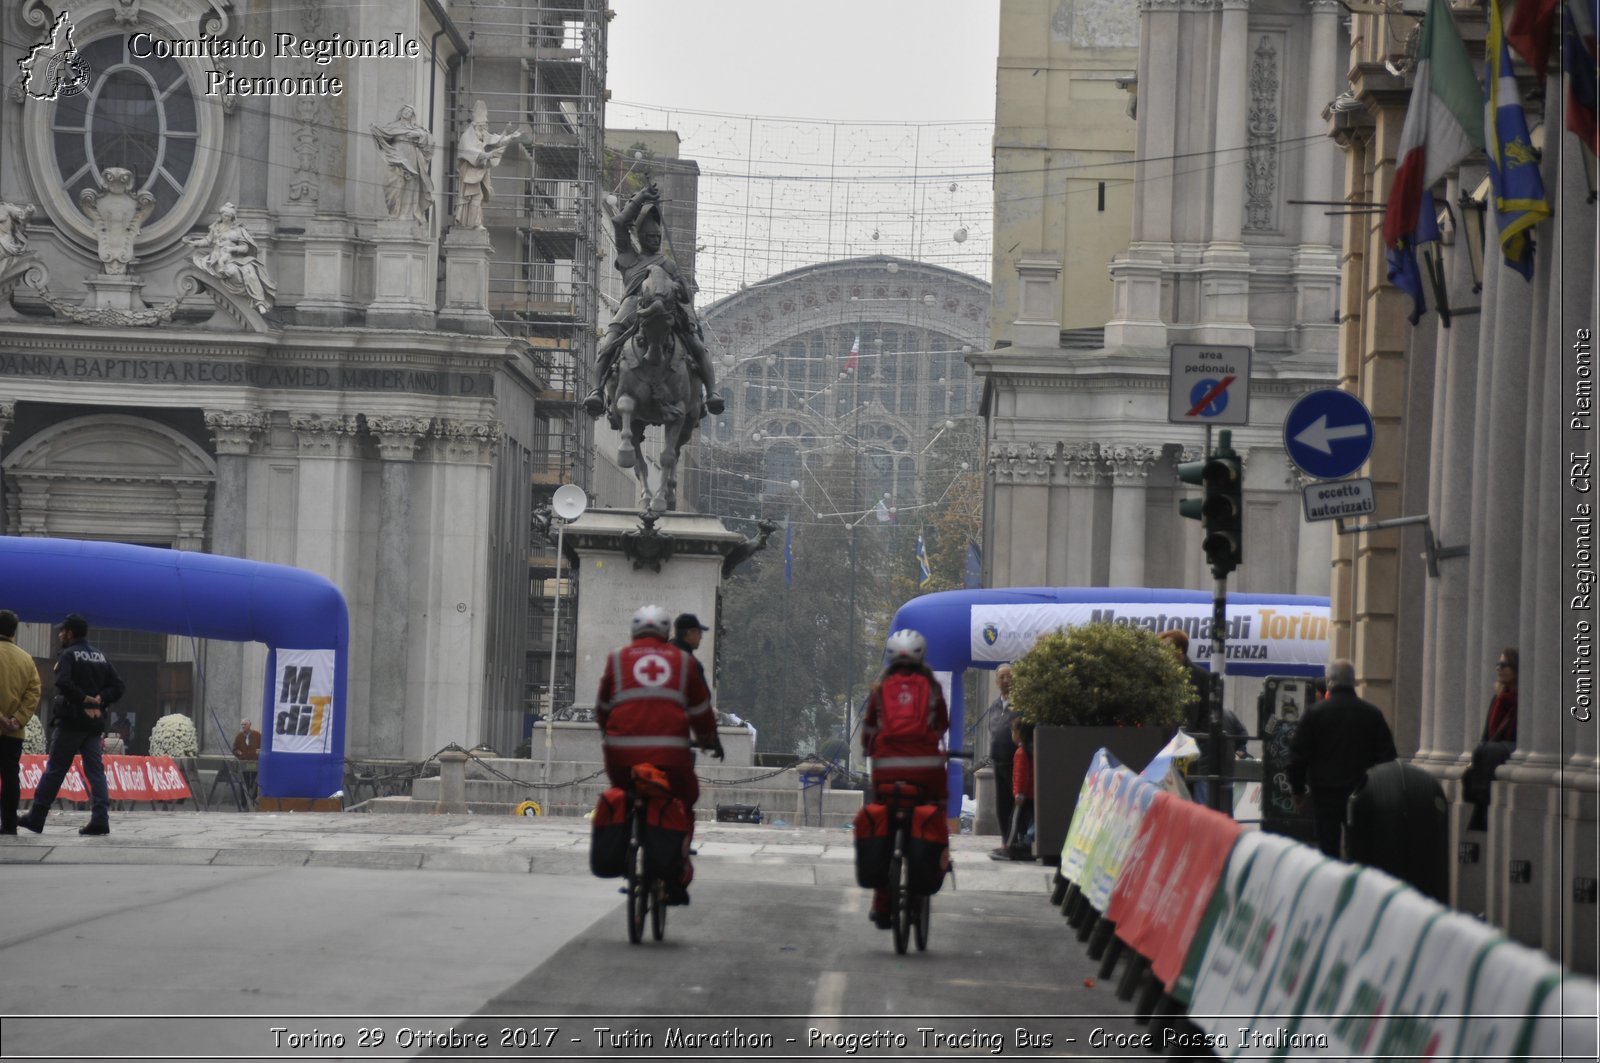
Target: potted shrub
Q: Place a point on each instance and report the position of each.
(1085, 687)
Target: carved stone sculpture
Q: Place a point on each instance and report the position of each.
(13, 230)
(408, 149)
(230, 254)
(744, 551)
(478, 152)
(117, 214)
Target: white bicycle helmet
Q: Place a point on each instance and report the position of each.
(652, 620)
(907, 647)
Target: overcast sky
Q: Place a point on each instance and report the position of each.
(824, 129)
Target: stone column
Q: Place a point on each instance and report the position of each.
(1085, 469)
(1453, 691)
(8, 412)
(235, 434)
(1130, 474)
(397, 439)
(1232, 139)
(1320, 155)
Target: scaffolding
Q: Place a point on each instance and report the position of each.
(540, 66)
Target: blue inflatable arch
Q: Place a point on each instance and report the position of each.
(959, 640)
(181, 592)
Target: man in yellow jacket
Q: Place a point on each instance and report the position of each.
(19, 700)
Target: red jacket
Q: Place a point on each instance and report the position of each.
(1022, 774)
(652, 695)
(902, 752)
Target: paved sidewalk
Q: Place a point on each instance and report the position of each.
(509, 844)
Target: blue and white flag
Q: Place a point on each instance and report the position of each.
(924, 574)
(974, 573)
(1519, 201)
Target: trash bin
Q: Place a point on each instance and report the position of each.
(1399, 821)
(813, 777)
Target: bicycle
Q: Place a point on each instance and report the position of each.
(647, 893)
(910, 911)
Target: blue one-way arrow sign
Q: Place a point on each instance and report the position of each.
(1328, 434)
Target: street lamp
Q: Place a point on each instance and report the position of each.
(568, 504)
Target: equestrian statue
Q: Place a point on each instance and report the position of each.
(652, 364)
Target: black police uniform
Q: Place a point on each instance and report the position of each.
(81, 672)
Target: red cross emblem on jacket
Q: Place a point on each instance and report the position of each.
(652, 697)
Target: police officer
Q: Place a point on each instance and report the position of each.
(86, 687)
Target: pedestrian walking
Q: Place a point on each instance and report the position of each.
(19, 700)
(247, 743)
(1339, 739)
(86, 686)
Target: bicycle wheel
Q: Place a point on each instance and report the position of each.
(924, 911)
(658, 910)
(639, 887)
(900, 900)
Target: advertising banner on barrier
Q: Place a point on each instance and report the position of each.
(1272, 639)
(302, 718)
(1167, 880)
(1348, 1007)
(1566, 1024)
(1318, 898)
(1219, 910)
(1264, 937)
(1227, 941)
(1130, 800)
(127, 779)
(1507, 987)
(1425, 1016)
(1075, 850)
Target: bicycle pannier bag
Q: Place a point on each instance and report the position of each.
(666, 839)
(930, 842)
(608, 841)
(904, 703)
(874, 847)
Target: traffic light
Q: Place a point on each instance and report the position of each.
(1221, 511)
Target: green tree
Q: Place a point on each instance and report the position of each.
(1100, 675)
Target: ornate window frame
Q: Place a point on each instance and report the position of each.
(39, 140)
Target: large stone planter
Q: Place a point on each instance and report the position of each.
(1061, 756)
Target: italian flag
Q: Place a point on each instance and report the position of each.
(1443, 124)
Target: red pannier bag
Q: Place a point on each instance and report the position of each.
(666, 839)
(874, 847)
(928, 852)
(608, 841)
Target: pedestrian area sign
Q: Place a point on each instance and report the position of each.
(1210, 384)
(1328, 434)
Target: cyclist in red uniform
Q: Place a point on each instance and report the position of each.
(652, 696)
(903, 730)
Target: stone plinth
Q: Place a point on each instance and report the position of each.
(466, 281)
(115, 293)
(403, 276)
(615, 585)
(330, 274)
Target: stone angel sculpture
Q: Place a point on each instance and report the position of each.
(229, 253)
(117, 214)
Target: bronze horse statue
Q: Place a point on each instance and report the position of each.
(657, 386)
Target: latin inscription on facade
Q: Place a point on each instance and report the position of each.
(198, 371)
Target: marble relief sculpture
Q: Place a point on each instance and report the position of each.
(230, 254)
(117, 215)
(13, 231)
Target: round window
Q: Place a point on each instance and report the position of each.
(139, 114)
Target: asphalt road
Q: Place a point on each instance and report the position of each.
(315, 962)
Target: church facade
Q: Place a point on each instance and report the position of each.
(279, 322)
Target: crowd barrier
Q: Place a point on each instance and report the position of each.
(127, 779)
(1243, 944)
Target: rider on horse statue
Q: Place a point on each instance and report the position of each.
(642, 217)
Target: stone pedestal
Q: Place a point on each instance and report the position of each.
(466, 282)
(616, 584)
(115, 293)
(403, 276)
(330, 274)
